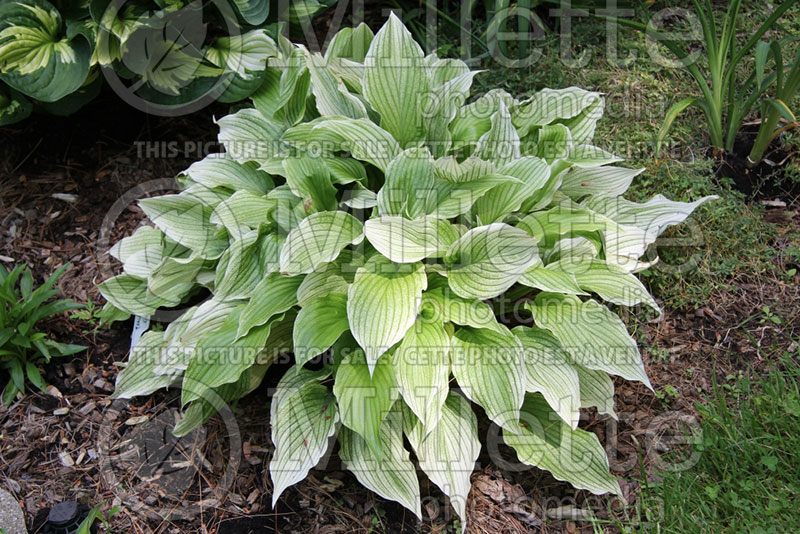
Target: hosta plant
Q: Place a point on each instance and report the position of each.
(363, 223)
(167, 53)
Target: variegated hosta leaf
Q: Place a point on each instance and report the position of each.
(589, 156)
(462, 311)
(575, 456)
(365, 397)
(325, 279)
(362, 137)
(332, 97)
(382, 304)
(549, 105)
(610, 281)
(447, 454)
(185, 218)
(243, 211)
(220, 170)
(504, 199)
(609, 181)
(409, 241)
(304, 416)
(244, 54)
(488, 260)
(551, 373)
(391, 475)
(274, 294)
(422, 370)
(14, 107)
(130, 294)
(37, 56)
(408, 185)
(310, 179)
(395, 79)
(546, 278)
(490, 368)
(220, 357)
(248, 135)
(554, 142)
(138, 377)
(318, 239)
(242, 267)
(653, 216)
(500, 144)
(321, 321)
(597, 390)
(594, 337)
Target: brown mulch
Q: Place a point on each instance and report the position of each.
(61, 445)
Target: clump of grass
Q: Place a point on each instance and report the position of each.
(748, 476)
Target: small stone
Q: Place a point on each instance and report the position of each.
(138, 420)
(66, 459)
(11, 516)
(61, 411)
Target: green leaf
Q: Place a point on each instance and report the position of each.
(505, 199)
(551, 279)
(392, 475)
(273, 295)
(221, 170)
(253, 12)
(382, 304)
(14, 107)
(409, 181)
(501, 143)
(610, 281)
(448, 453)
(593, 336)
(488, 260)
(490, 368)
(310, 180)
(248, 135)
(318, 239)
(303, 417)
(554, 142)
(245, 263)
(575, 456)
(220, 357)
(551, 373)
(669, 118)
(185, 218)
(422, 370)
(36, 57)
(332, 97)
(395, 77)
(589, 156)
(409, 241)
(138, 377)
(365, 397)
(462, 311)
(361, 137)
(320, 322)
(34, 376)
(325, 279)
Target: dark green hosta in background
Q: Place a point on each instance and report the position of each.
(364, 212)
(165, 52)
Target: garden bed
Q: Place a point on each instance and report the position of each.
(51, 443)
